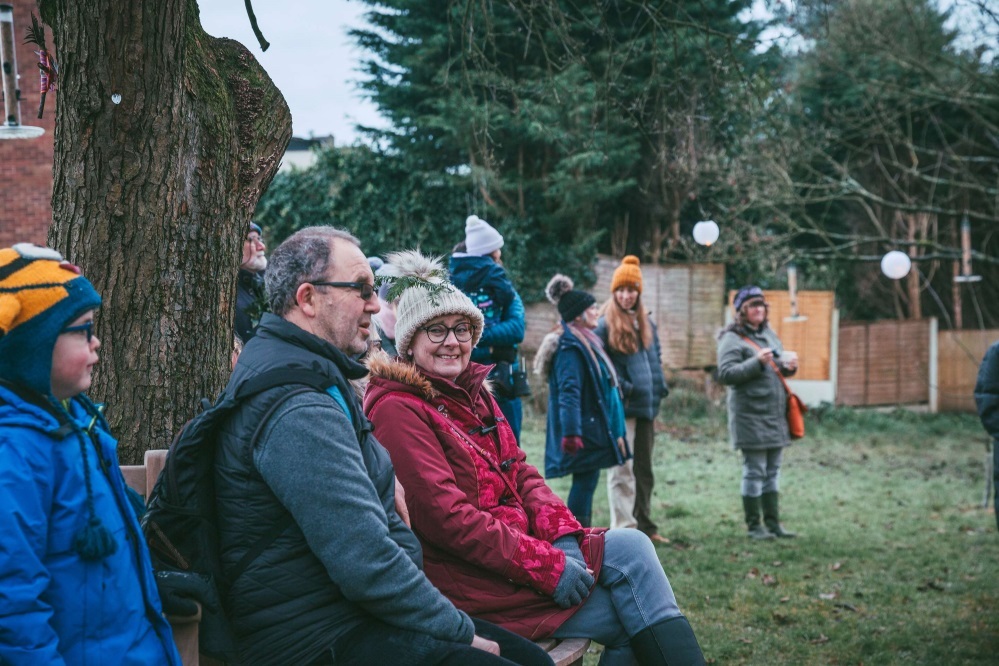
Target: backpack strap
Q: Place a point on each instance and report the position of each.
(283, 377)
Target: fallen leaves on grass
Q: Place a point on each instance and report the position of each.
(829, 596)
(931, 585)
(820, 640)
(781, 618)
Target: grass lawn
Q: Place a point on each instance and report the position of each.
(895, 563)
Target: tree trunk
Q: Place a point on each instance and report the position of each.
(152, 196)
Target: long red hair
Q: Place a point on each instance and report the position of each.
(622, 337)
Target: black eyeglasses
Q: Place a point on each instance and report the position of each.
(365, 289)
(87, 327)
(438, 332)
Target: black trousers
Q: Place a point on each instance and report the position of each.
(375, 642)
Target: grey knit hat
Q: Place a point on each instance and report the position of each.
(428, 295)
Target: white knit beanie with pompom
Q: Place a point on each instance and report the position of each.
(418, 303)
(480, 237)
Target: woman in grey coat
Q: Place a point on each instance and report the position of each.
(749, 358)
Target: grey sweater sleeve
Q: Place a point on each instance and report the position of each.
(309, 456)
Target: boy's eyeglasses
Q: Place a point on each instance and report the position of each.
(365, 289)
(438, 332)
(87, 327)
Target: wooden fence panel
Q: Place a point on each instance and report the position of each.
(959, 355)
(851, 383)
(686, 306)
(884, 363)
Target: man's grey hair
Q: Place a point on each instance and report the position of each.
(304, 256)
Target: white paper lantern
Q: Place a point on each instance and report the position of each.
(706, 232)
(896, 265)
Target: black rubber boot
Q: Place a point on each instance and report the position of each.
(751, 505)
(669, 643)
(771, 516)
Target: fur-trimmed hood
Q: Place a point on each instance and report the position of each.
(389, 374)
(546, 353)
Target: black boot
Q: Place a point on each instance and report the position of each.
(668, 643)
(751, 505)
(771, 516)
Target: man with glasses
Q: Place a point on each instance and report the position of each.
(250, 299)
(342, 560)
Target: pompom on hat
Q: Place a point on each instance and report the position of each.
(40, 294)
(570, 302)
(480, 237)
(427, 295)
(747, 293)
(628, 274)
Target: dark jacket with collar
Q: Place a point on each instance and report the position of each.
(987, 391)
(249, 294)
(487, 284)
(640, 375)
(576, 406)
(346, 556)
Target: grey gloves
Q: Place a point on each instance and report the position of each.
(576, 581)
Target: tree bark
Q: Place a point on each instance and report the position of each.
(152, 196)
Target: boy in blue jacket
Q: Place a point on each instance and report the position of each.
(76, 585)
(479, 273)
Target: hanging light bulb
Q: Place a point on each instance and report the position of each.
(706, 232)
(896, 265)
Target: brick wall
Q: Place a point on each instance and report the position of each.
(26, 164)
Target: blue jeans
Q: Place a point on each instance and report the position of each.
(632, 593)
(580, 501)
(761, 471)
(375, 642)
(513, 410)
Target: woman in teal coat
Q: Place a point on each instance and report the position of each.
(586, 430)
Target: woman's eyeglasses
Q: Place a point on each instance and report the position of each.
(438, 332)
(86, 327)
(365, 289)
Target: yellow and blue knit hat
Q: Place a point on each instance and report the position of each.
(40, 294)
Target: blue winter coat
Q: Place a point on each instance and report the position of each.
(580, 403)
(487, 284)
(640, 375)
(56, 608)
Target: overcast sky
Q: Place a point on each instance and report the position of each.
(314, 63)
(311, 58)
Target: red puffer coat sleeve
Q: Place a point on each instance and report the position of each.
(452, 492)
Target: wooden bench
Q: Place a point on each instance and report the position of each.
(142, 478)
(567, 652)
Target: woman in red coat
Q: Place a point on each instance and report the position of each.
(497, 541)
